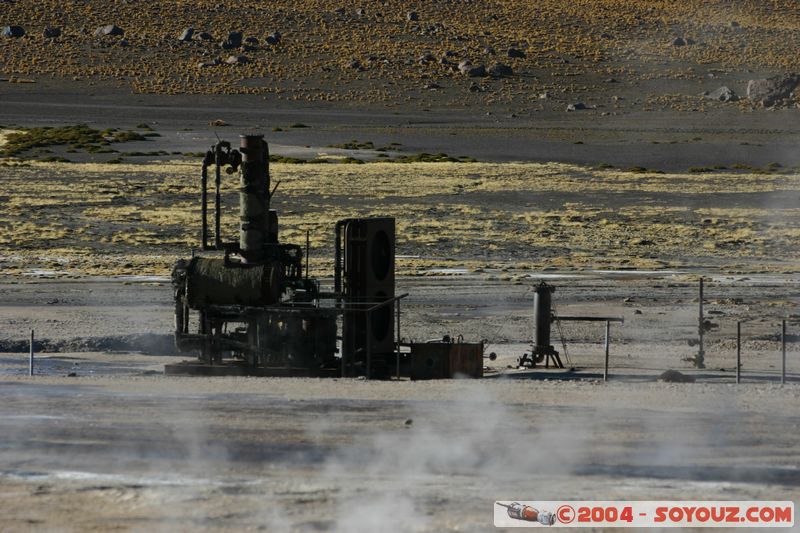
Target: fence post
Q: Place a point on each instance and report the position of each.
(738, 352)
(608, 340)
(783, 351)
(398, 339)
(30, 361)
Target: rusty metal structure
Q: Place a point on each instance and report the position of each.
(250, 307)
(544, 316)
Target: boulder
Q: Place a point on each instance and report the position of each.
(237, 60)
(770, 91)
(51, 33)
(110, 29)
(723, 94)
(500, 70)
(186, 35)
(515, 53)
(412, 16)
(252, 41)
(273, 38)
(578, 106)
(678, 41)
(474, 71)
(234, 40)
(13, 31)
(205, 36)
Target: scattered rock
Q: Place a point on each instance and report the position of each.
(355, 64)
(237, 60)
(466, 68)
(475, 88)
(186, 35)
(545, 95)
(489, 50)
(576, 106)
(361, 12)
(678, 41)
(427, 58)
(673, 376)
(218, 123)
(515, 52)
(723, 94)
(412, 16)
(123, 43)
(205, 64)
(637, 311)
(51, 33)
(234, 40)
(13, 31)
(273, 38)
(605, 35)
(733, 24)
(432, 86)
(689, 42)
(500, 70)
(340, 11)
(770, 91)
(408, 422)
(110, 29)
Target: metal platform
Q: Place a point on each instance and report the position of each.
(237, 368)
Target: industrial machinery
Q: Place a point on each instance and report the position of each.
(544, 316)
(250, 306)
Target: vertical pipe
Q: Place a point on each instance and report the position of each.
(783, 352)
(217, 197)
(30, 360)
(398, 338)
(254, 200)
(608, 340)
(204, 205)
(368, 346)
(738, 352)
(308, 249)
(700, 359)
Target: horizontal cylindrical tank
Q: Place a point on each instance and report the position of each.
(210, 281)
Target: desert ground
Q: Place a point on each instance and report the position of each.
(595, 151)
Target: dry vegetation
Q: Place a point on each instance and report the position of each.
(570, 46)
(77, 219)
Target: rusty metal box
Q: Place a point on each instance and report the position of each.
(446, 360)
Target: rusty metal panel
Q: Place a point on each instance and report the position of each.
(446, 360)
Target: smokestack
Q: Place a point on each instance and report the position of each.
(254, 198)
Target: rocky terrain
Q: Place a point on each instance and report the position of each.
(507, 54)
